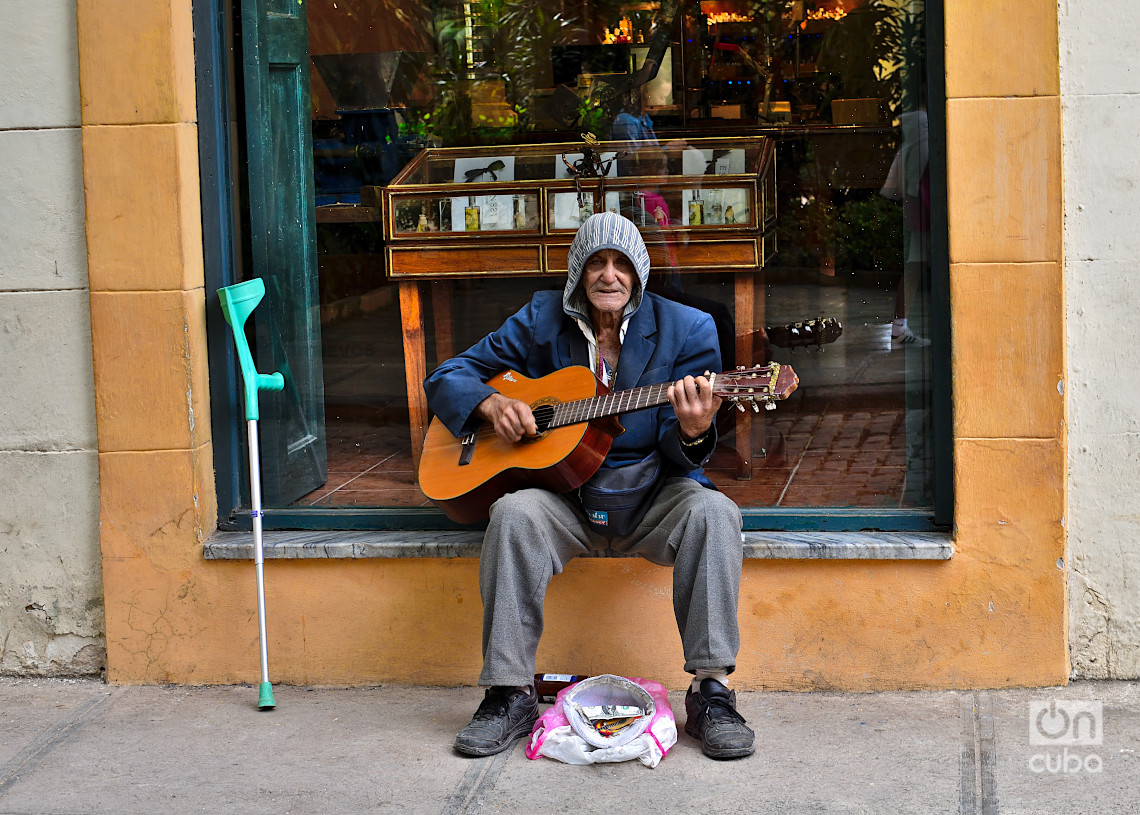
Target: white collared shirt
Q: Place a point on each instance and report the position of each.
(606, 374)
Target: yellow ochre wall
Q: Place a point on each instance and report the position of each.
(993, 616)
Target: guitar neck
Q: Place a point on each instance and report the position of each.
(761, 384)
(611, 404)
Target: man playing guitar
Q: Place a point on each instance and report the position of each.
(607, 321)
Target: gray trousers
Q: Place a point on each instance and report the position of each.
(534, 533)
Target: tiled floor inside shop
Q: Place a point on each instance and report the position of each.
(840, 440)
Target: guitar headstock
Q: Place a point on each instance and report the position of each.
(811, 333)
(761, 384)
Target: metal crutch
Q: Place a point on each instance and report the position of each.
(238, 302)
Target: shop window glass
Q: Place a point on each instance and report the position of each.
(805, 126)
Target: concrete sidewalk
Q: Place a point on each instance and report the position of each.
(69, 746)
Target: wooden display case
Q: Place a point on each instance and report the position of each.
(513, 210)
(703, 205)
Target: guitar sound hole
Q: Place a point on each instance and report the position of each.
(543, 416)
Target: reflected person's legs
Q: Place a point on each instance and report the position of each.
(914, 254)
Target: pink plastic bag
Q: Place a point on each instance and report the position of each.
(553, 736)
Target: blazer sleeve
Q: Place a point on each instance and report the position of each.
(699, 352)
(456, 387)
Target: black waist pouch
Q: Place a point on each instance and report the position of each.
(616, 499)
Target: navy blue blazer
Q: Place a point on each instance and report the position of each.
(664, 342)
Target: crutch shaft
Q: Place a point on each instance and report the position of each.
(258, 550)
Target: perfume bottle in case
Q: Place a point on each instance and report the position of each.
(585, 210)
(471, 215)
(490, 212)
(696, 210)
(714, 210)
(520, 212)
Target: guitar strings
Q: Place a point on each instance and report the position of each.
(580, 411)
(583, 410)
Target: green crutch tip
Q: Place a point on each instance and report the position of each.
(266, 701)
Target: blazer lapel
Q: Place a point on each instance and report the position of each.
(572, 346)
(638, 347)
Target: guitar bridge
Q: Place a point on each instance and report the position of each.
(467, 449)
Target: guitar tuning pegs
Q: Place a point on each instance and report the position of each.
(755, 407)
(740, 367)
(740, 406)
(769, 406)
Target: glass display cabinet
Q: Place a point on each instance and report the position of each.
(703, 205)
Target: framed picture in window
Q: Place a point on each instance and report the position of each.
(566, 214)
(478, 213)
(712, 162)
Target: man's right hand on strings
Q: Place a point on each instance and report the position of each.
(511, 418)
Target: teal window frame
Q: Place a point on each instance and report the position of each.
(220, 135)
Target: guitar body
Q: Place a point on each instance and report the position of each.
(559, 460)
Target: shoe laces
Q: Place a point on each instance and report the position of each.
(495, 704)
(720, 708)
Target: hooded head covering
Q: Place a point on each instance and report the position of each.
(605, 230)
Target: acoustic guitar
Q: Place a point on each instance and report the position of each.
(577, 422)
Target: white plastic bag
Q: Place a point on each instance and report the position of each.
(648, 740)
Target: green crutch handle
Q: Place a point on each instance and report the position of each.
(238, 302)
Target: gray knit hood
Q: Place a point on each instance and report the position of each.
(604, 230)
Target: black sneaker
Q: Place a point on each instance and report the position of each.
(505, 715)
(712, 718)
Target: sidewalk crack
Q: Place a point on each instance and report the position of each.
(977, 756)
(24, 761)
(476, 783)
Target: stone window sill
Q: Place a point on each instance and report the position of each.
(295, 545)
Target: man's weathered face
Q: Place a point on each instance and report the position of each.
(609, 280)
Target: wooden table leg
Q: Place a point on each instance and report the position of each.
(743, 312)
(415, 364)
(441, 317)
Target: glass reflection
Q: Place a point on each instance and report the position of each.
(840, 287)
